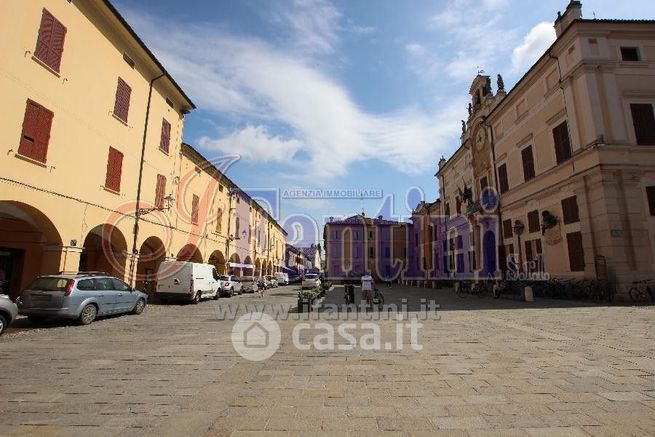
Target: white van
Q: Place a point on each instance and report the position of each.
(178, 280)
(282, 278)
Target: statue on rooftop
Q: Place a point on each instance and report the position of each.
(501, 84)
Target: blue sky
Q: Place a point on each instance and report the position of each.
(343, 94)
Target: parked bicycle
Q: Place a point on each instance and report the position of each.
(641, 291)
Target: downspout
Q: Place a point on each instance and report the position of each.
(137, 214)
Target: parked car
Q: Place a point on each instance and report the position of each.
(310, 280)
(282, 278)
(81, 296)
(249, 284)
(8, 312)
(187, 281)
(230, 285)
(272, 281)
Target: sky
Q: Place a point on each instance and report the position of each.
(349, 95)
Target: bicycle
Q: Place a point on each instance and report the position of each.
(640, 290)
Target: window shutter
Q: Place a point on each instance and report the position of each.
(576, 251)
(502, 178)
(643, 120)
(562, 143)
(528, 163)
(43, 126)
(194, 211)
(650, 194)
(160, 191)
(56, 45)
(570, 210)
(165, 136)
(30, 122)
(533, 221)
(45, 36)
(507, 228)
(114, 170)
(122, 103)
(528, 251)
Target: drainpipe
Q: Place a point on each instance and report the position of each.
(137, 214)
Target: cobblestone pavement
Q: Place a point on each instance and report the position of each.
(487, 368)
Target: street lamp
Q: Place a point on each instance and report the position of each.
(518, 228)
(169, 202)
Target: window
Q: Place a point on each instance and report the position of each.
(122, 103)
(165, 140)
(644, 123)
(502, 178)
(533, 221)
(358, 252)
(528, 163)
(387, 252)
(650, 194)
(570, 210)
(562, 142)
(50, 42)
(86, 285)
(219, 221)
(371, 252)
(120, 285)
(35, 136)
(528, 251)
(370, 234)
(576, 251)
(195, 204)
(507, 228)
(629, 54)
(447, 209)
(484, 183)
(160, 191)
(114, 170)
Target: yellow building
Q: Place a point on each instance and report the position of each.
(95, 176)
(569, 149)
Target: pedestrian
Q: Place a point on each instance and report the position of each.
(368, 284)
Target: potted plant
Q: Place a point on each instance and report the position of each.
(307, 298)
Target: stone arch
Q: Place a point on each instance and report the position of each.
(104, 250)
(151, 254)
(190, 253)
(217, 259)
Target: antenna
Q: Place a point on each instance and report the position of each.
(361, 198)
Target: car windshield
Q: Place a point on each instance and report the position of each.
(311, 276)
(46, 283)
(225, 278)
(247, 279)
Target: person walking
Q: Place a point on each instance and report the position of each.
(368, 285)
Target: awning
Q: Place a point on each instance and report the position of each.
(241, 266)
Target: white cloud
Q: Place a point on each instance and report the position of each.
(255, 80)
(254, 143)
(474, 34)
(314, 24)
(533, 46)
(415, 49)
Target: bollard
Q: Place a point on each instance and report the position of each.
(527, 291)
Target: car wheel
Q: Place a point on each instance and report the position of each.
(196, 298)
(217, 295)
(88, 315)
(3, 324)
(139, 307)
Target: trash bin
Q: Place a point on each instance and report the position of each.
(528, 294)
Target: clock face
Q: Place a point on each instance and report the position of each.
(480, 138)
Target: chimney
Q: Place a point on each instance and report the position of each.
(573, 12)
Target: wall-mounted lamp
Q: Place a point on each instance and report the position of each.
(548, 221)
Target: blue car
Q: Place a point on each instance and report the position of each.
(81, 297)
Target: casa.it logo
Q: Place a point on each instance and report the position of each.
(256, 336)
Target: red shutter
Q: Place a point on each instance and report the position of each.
(160, 191)
(50, 42)
(165, 136)
(194, 211)
(44, 123)
(36, 131)
(45, 36)
(56, 45)
(114, 170)
(122, 103)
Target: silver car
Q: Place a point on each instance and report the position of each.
(81, 296)
(8, 312)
